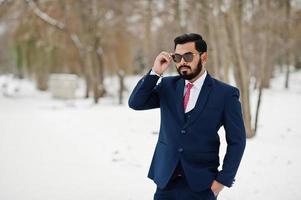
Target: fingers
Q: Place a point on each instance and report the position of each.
(166, 55)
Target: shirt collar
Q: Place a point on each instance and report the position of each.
(199, 82)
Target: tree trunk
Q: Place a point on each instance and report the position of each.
(120, 74)
(257, 109)
(287, 41)
(100, 68)
(241, 72)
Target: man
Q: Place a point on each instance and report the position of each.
(193, 107)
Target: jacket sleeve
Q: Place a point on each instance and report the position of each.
(146, 93)
(235, 137)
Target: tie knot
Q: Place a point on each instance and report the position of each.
(189, 86)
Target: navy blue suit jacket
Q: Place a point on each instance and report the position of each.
(195, 141)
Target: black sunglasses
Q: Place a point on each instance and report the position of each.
(188, 57)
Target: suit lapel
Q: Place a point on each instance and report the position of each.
(201, 101)
(179, 99)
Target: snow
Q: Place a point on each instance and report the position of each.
(55, 149)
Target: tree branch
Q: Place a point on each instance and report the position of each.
(45, 17)
(55, 23)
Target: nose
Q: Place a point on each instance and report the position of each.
(182, 62)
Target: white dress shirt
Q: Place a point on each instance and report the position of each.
(194, 91)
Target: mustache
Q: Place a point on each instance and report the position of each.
(184, 66)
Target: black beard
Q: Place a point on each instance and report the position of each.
(193, 74)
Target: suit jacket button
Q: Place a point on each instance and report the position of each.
(183, 131)
(180, 150)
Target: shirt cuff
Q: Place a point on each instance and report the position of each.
(152, 72)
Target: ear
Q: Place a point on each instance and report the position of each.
(204, 57)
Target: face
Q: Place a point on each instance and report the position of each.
(190, 70)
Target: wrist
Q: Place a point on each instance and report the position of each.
(154, 72)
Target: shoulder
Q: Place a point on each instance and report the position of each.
(170, 80)
(227, 89)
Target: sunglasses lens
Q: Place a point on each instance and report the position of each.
(188, 57)
(177, 58)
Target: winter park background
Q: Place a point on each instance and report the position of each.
(68, 67)
(54, 149)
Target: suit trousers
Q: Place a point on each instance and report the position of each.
(178, 189)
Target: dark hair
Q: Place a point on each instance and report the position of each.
(200, 44)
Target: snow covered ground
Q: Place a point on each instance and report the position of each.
(75, 150)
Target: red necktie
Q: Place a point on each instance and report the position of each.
(187, 95)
